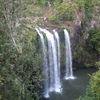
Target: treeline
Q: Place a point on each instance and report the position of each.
(68, 9)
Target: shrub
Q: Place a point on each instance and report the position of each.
(98, 64)
(94, 41)
(54, 19)
(67, 10)
(95, 85)
(93, 91)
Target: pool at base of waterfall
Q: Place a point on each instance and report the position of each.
(73, 88)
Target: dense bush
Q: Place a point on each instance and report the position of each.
(94, 41)
(20, 59)
(20, 72)
(67, 10)
(54, 19)
(98, 64)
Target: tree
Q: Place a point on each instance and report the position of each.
(67, 10)
(20, 59)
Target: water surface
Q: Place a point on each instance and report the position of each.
(72, 89)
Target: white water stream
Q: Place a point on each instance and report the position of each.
(51, 60)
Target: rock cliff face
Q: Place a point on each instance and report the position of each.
(79, 32)
(79, 35)
(79, 43)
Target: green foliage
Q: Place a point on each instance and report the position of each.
(98, 64)
(96, 3)
(88, 52)
(79, 52)
(94, 41)
(88, 13)
(85, 22)
(95, 85)
(20, 58)
(80, 4)
(89, 8)
(67, 10)
(54, 19)
(20, 71)
(32, 11)
(57, 3)
(1, 80)
(0, 10)
(88, 65)
(93, 91)
(41, 2)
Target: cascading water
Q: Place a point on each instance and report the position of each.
(45, 64)
(69, 70)
(57, 43)
(55, 78)
(52, 61)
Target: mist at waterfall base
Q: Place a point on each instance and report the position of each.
(51, 62)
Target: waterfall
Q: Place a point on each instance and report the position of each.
(57, 43)
(51, 60)
(69, 70)
(45, 64)
(54, 80)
